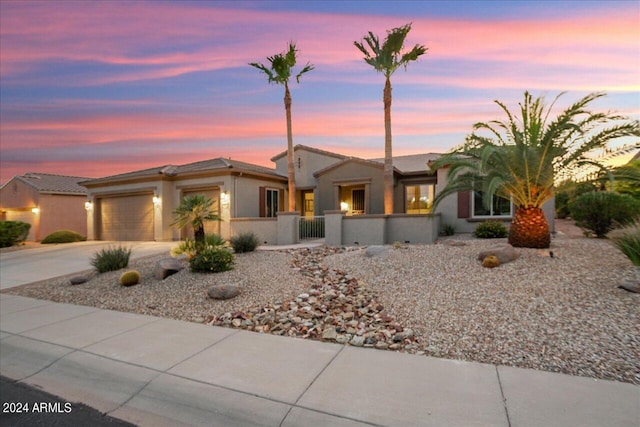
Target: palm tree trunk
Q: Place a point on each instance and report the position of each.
(388, 157)
(290, 171)
(529, 229)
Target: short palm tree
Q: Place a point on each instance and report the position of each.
(519, 158)
(387, 59)
(279, 73)
(195, 211)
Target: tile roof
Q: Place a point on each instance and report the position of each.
(412, 162)
(56, 184)
(219, 163)
(311, 149)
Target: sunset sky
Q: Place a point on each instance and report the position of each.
(98, 88)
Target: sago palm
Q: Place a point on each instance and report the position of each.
(279, 72)
(386, 59)
(519, 157)
(195, 211)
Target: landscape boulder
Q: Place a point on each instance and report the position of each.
(78, 280)
(166, 267)
(504, 252)
(452, 242)
(223, 291)
(376, 251)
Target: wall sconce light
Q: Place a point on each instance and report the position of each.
(156, 200)
(344, 206)
(35, 211)
(224, 197)
(88, 205)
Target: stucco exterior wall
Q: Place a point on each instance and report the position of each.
(59, 212)
(305, 164)
(349, 174)
(17, 195)
(265, 228)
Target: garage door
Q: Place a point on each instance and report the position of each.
(209, 226)
(126, 218)
(24, 216)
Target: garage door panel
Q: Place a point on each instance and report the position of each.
(127, 218)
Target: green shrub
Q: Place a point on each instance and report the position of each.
(111, 259)
(601, 211)
(212, 260)
(64, 236)
(627, 239)
(449, 230)
(244, 242)
(130, 278)
(562, 205)
(214, 240)
(491, 230)
(13, 232)
(187, 248)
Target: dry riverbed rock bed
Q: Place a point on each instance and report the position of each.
(561, 314)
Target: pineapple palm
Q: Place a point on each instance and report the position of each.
(279, 73)
(518, 158)
(387, 59)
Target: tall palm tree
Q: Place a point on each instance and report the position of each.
(195, 211)
(279, 73)
(387, 59)
(519, 158)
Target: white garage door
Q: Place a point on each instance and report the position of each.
(126, 217)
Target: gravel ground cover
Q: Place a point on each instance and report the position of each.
(562, 314)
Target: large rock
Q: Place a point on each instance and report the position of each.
(376, 251)
(223, 291)
(504, 252)
(166, 267)
(78, 280)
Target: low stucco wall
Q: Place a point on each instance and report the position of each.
(380, 229)
(265, 228)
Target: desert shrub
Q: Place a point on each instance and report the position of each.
(64, 236)
(130, 278)
(187, 248)
(562, 205)
(212, 260)
(627, 239)
(214, 240)
(490, 230)
(449, 230)
(111, 259)
(244, 242)
(13, 232)
(601, 211)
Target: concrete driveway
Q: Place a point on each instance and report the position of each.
(49, 261)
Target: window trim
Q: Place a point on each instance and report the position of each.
(431, 193)
(472, 208)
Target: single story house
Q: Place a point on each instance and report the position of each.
(139, 205)
(47, 202)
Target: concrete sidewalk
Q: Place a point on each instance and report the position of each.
(160, 372)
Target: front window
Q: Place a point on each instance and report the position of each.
(499, 206)
(419, 198)
(271, 203)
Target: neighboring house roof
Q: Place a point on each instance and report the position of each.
(312, 150)
(210, 165)
(52, 184)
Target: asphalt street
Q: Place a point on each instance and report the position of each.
(23, 406)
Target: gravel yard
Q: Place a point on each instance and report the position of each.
(561, 314)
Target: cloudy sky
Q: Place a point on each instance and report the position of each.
(97, 88)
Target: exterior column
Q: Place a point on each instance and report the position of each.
(333, 227)
(288, 228)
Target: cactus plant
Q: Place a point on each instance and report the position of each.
(490, 261)
(130, 278)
